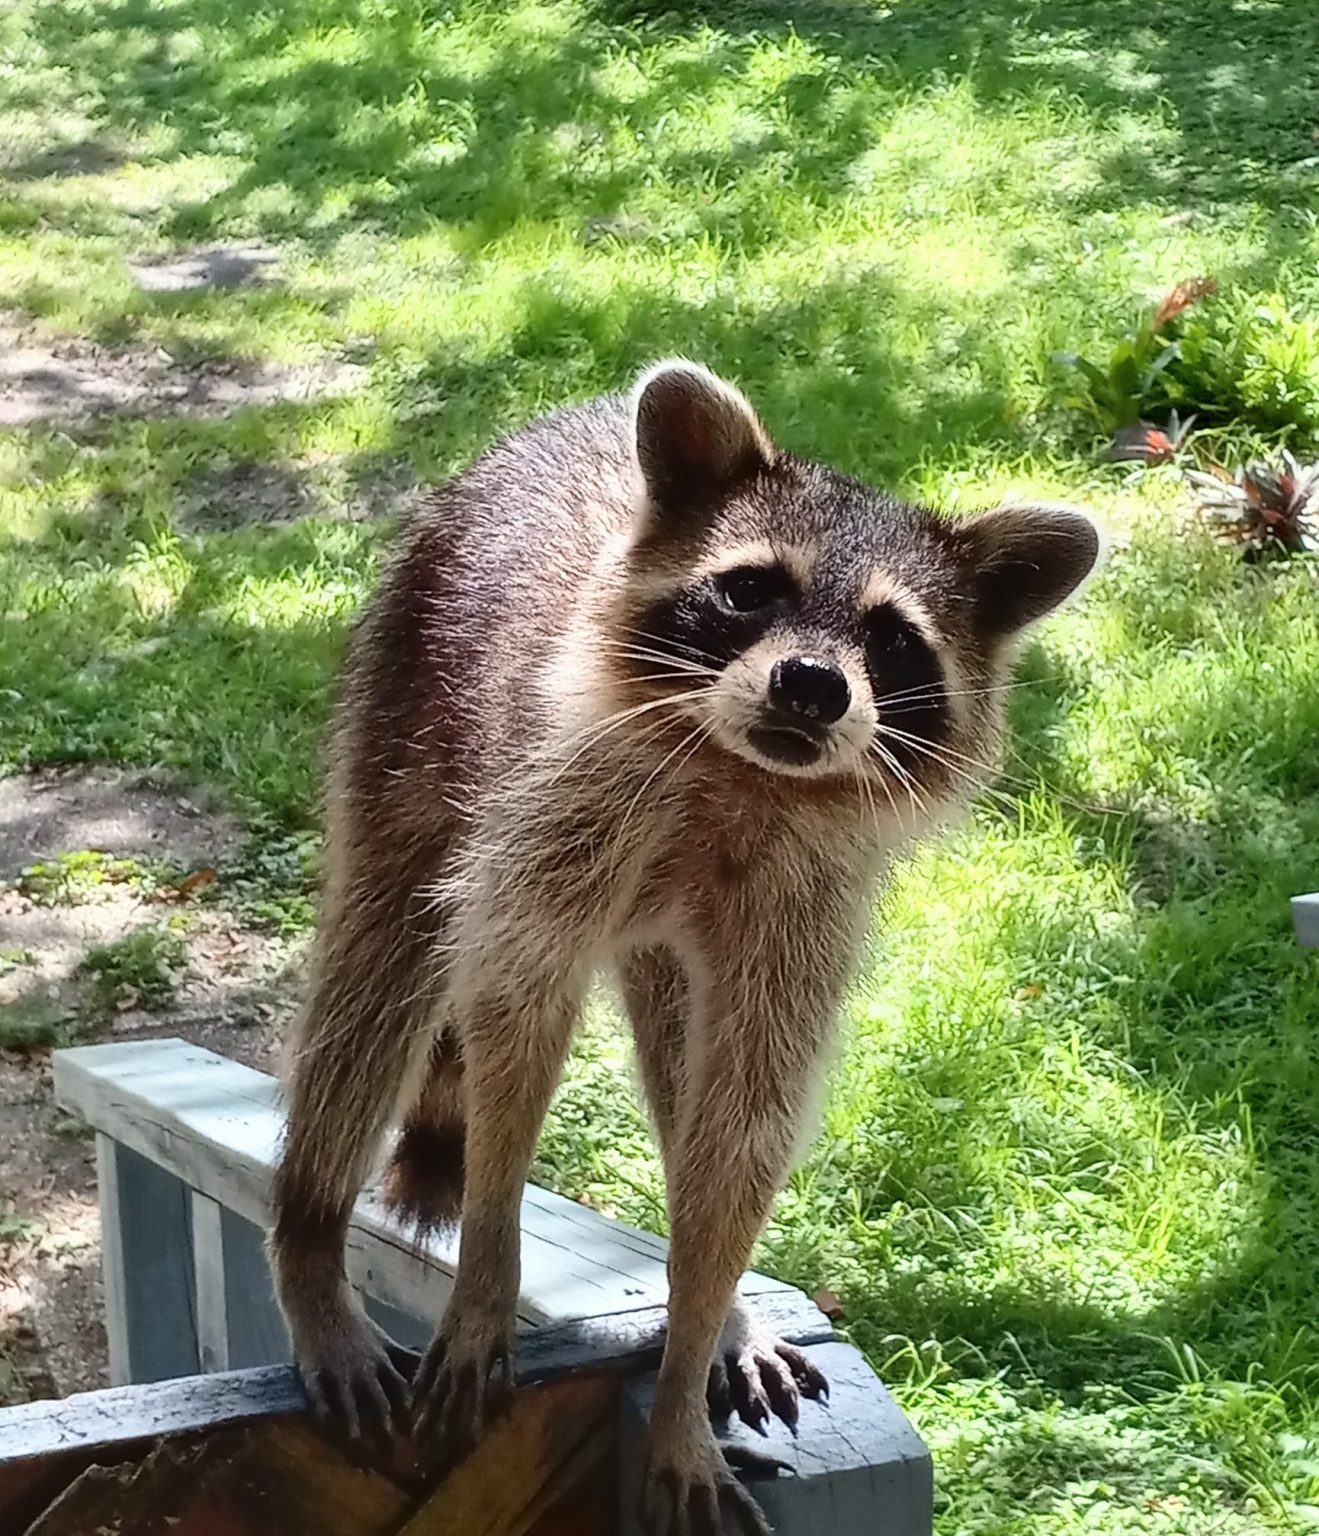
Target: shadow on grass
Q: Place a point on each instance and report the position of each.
(345, 115)
(1242, 113)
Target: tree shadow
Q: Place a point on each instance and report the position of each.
(1241, 113)
(385, 135)
(371, 124)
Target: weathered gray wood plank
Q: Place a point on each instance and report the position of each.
(403, 1328)
(858, 1465)
(216, 1125)
(155, 1248)
(113, 1280)
(209, 1287)
(1305, 918)
(253, 1322)
(122, 1414)
(632, 1340)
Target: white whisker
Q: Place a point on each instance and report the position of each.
(598, 729)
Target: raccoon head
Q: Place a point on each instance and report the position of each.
(811, 625)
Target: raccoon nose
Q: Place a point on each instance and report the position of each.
(809, 687)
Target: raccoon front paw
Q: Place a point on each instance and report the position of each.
(755, 1374)
(355, 1378)
(464, 1383)
(696, 1494)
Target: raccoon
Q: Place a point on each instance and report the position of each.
(640, 694)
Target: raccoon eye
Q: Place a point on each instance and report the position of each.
(891, 638)
(750, 588)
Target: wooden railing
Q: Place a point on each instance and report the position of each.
(1305, 919)
(186, 1143)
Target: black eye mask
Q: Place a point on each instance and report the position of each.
(908, 684)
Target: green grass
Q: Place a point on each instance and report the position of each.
(1067, 1184)
(82, 875)
(140, 970)
(30, 1024)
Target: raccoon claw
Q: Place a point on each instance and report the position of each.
(716, 1504)
(360, 1406)
(756, 1375)
(459, 1390)
(748, 1463)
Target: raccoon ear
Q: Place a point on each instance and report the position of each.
(695, 435)
(1026, 560)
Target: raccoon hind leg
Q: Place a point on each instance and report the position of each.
(423, 1183)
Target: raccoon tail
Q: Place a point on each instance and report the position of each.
(423, 1182)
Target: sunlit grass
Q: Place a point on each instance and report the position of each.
(1067, 1173)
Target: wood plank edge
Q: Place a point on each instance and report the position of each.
(383, 1258)
(1305, 920)
(119, 1415)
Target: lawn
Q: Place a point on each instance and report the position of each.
(1067, 1183)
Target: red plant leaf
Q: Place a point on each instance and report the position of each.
(1189, 291)
(1142, 442)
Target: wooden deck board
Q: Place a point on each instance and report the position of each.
(124, 1415)
(216, 1125)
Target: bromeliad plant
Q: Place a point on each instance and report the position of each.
(1265, 507)
(1116, 395)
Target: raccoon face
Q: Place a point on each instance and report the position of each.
(813, 626)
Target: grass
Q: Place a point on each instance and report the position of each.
(1067, 1183)
(84, 874)
(30, 1024)
(139, 970)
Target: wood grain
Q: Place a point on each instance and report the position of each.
(282, 1479)
(216, 1125)
(546, 1463)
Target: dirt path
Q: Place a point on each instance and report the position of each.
(58, 379)
(117, 920)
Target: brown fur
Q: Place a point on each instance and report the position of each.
(424, 1180)
(501, 829)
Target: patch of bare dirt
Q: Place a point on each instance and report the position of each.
(63, 379)
(85, 157)
(223, 499)
(233, 990)
(219, 500)
(212, 266)
(126, 814)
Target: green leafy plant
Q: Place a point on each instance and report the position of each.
(75, 877)
(12, 958)
(142, 968)
(29, 1024)
(86, 874)
(1250, 359)
(273, 882)
(14, 1228)
(1118, 394)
